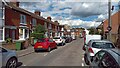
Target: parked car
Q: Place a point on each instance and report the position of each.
(67, 40)
(45, 44)
(107, 58)
(8, 58)
(59, 40)
(94, 46)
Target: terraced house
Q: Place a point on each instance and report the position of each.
(115, 32)
(17, 23)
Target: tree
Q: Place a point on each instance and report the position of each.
(93, 30)
(38, 32)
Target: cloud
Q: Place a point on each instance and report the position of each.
(79, 14)
(90, 9)
(80, 23)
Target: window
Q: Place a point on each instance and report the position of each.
(22, 19)
(13, 34)
(20, 33)
(99, 56)
(50, 26)
(56, 38)
(102, 45)
(50, 40)
(34, 22)
(2, 50)
(26, 33)
(45, 25)
(1, 34)
(1, 13)
(41, 40)
(7, 33)
(108, 61)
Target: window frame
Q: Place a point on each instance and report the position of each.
(23, 19)
(97, 57)
(34, 22)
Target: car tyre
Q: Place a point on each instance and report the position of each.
(62, 44)
(86, 60)
(36, 50)
(49, 49)
(12, 63)
(56, 47)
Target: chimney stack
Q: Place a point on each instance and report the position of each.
(15, 3)
(38, 13)
(49, 18)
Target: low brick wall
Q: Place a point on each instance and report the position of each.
(25, 44)
(9, 46)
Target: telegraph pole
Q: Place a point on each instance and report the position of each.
(109, 19)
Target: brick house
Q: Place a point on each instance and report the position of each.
(115, 27)
(17, 23)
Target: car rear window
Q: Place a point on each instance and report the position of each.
(56, 38)
(41, 40)
(64, 37)
(102, 45)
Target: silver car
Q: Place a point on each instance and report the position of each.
(94, 46)
(106, 58)
(8, 58)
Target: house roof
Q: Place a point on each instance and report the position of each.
(10, 5)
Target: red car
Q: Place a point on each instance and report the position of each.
(45, 44)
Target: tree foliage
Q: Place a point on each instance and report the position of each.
(38, 32)
(93, 30)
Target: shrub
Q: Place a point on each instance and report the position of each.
(38, 32)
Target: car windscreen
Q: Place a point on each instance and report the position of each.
(56, 38)
(102, 45)
(64, 37)
(41, 40)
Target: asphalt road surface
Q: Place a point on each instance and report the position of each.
(70, 54)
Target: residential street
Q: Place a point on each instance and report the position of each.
(69, 55)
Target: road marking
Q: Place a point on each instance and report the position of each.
(24, 65)
(82, 59)
(82, 64)
(45, 54)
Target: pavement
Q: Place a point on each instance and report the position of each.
(25, 52)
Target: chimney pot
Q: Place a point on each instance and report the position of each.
(49, 18)
(38, 13)
(15, 3)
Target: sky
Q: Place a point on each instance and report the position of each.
(76, 13)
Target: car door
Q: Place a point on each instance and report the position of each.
(97, 58)
(51, 43)
(0, 56)
(3, 55)
(108, 62)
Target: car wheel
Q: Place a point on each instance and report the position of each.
(56, 47)
(49, 49)
(12, 63)
(62, 44)
(86, 60)
(35, 50)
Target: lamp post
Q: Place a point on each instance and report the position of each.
(109, 19)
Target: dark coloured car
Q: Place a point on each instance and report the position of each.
(45, 44)
(107, 58)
